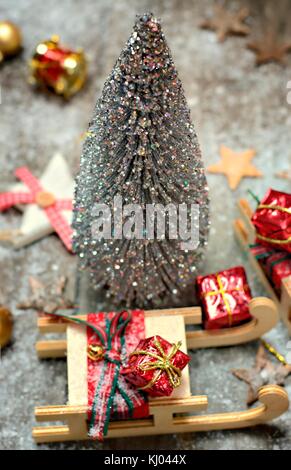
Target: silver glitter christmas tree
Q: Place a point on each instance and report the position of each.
(141, 147)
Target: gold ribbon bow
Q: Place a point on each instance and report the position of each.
(221, 291)
(162, 363)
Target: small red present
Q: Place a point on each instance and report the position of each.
(155, 366)
(278, 266)
(272, 220)
(261, 253)
(224, 297)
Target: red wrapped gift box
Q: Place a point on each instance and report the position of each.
(278, 267)
(272, 220)
(224, 297)
(276, 264)
(155, 366)
(261, 253)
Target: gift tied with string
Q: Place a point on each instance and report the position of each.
(45, 200)
(275, 264)
(272, 220)
(112, 339)
(224, 298)
(156, 366)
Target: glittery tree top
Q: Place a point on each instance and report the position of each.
(140, 146)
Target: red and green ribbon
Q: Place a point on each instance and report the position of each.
(108, 385)
(260, 252)
(273, 263)
(108, 392)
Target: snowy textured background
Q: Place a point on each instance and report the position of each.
(232, 103)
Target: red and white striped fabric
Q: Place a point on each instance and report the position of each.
(52, 211)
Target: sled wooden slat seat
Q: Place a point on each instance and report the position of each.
(263, 311)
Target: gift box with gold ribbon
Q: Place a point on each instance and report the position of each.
(272, 220)
(224, 297)
(155, 366)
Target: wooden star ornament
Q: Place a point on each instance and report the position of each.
(269, 48)
(286, 174)
(235, 165)
(263, 372)
(226, 22)
(46, 204)
(47, 298)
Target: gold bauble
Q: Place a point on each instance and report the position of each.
(10, 39)
(95, 352)
(6, 326)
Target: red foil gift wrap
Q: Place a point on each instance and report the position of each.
(278, 266)
(224, 297)
(155, 366)
(275, 264)
(58, 68)
(272, 220)
(261, 253)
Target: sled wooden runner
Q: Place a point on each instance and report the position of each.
(167, 415)
(246, 235)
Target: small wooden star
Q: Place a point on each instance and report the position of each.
(286, 174)
(47, 299)
(263, 372)
(225, 22)
(235, 165)
(270, 49)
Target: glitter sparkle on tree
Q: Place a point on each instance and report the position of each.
(141, 146)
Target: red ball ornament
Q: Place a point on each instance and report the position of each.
(57, 68)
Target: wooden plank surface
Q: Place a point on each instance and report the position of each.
(77, 365)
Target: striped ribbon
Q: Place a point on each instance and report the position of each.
(52, 209)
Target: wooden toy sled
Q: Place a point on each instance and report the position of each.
(245, 233)
(174, 414)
